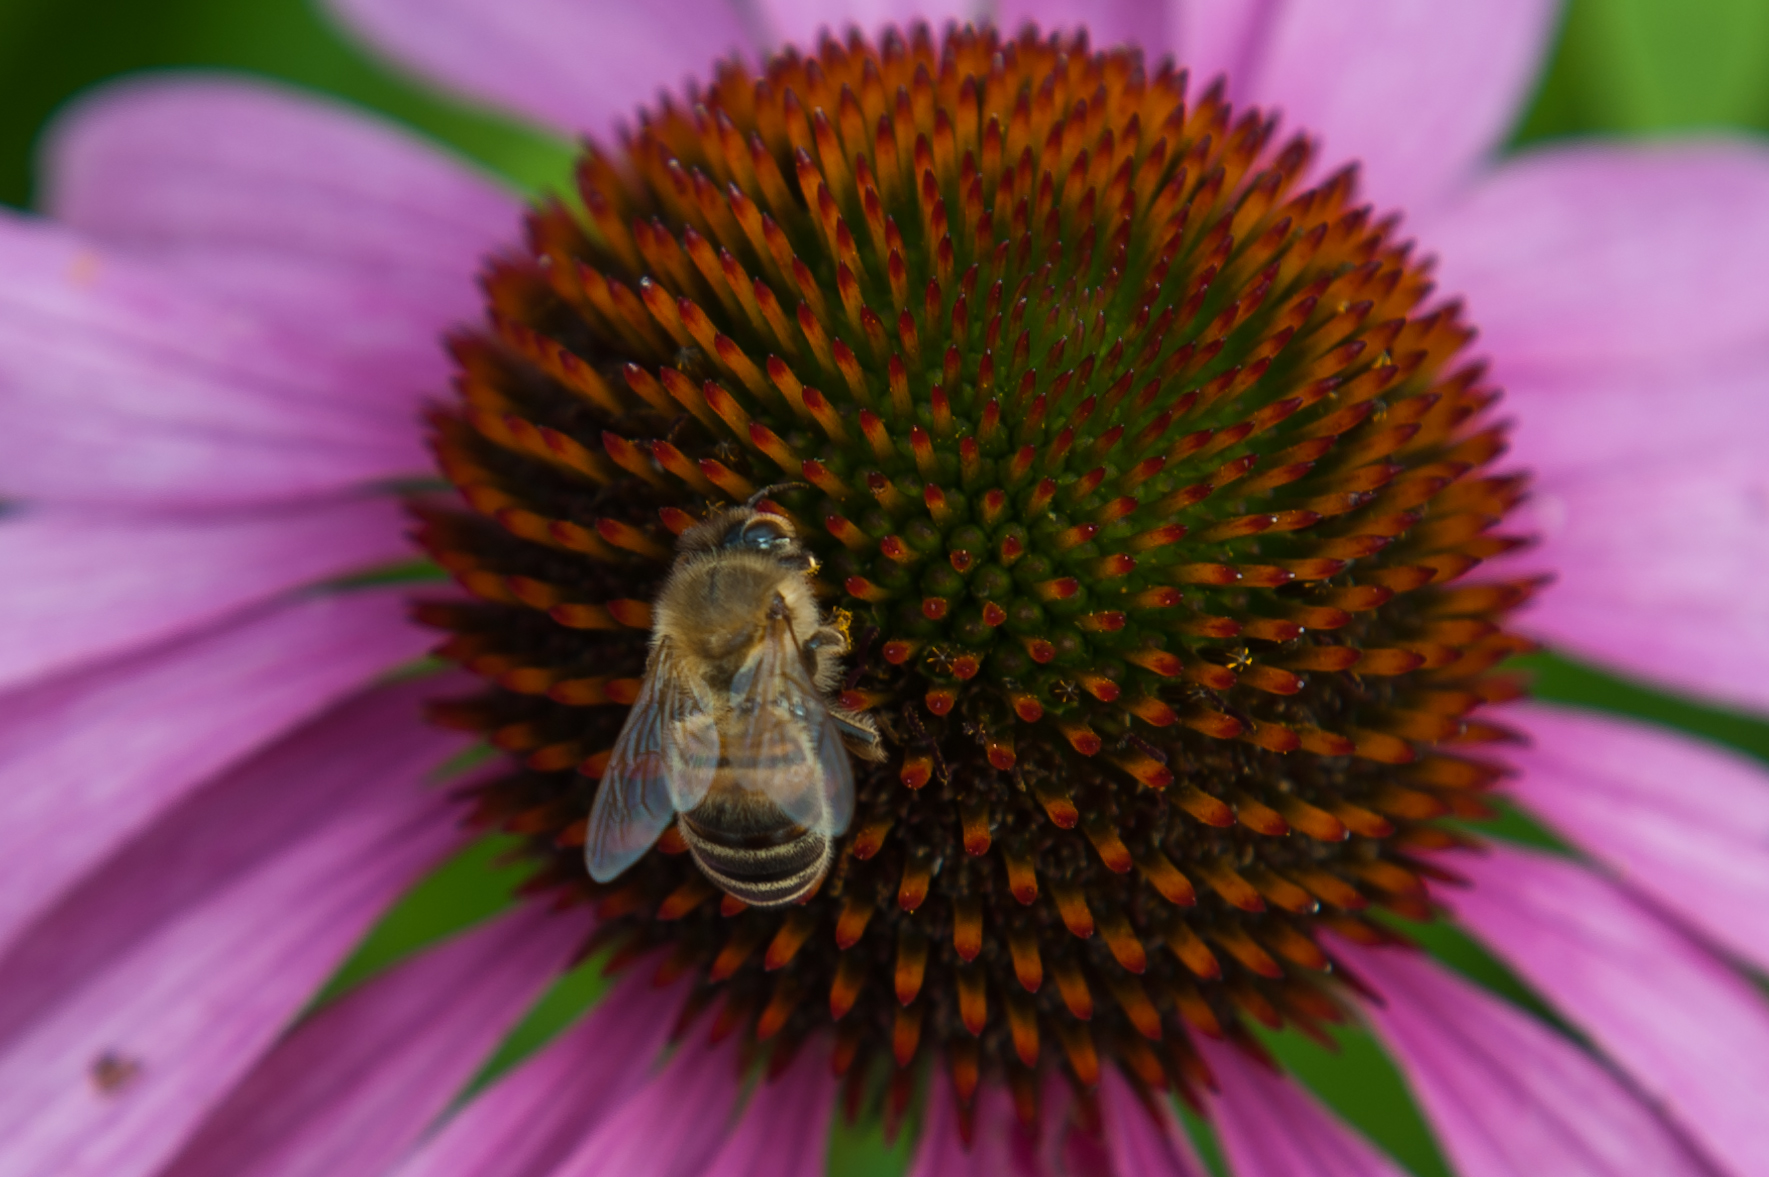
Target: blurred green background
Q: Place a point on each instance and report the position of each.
(1619, 67)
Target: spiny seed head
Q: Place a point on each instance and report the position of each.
(1150, 486)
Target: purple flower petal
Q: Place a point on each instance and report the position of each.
(575, 67)
(1270, 1127)
(529, 1120)
(1588, 421)
(1653, 516)
(1609, 253)
(1504, 1093)
(1000, 1145)
(343, 229)
(89, 586)
(940, 1152)
(118, 384)
(1656, 565)
(784, 1129)
(800, 22)
(1143, 1141)
(1682, 822)
(1223, 40)
(134, 1006)
(1693, 1035)
(1134, 1140)
(1419, 94)
(1108, 22)
(354, 1085)
(106, 752)
(671, 1126)
(199, 163)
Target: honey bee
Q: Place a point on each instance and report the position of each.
(734, 728)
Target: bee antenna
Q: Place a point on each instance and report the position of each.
(763, 493)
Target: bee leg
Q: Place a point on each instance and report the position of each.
(859, 734)
(827, 646)
(831, 638)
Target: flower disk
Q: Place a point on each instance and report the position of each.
(1148, 486)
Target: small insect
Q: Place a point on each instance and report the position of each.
(733, 728)
(112, 1071)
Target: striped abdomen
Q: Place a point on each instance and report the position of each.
(744, 842)
(752, 850)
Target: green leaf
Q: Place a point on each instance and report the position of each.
(474, 885)
(566, 1000)
(860, 1150)
(1362, 1084)
(1562, 680)
(1687, 63)
(1655, 66)
(51, 50)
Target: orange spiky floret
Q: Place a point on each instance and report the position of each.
(1148, 479)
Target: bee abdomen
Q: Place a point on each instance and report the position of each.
(762, 867)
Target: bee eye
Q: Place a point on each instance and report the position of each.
(762, 535)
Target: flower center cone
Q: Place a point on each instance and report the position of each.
(1150, 475)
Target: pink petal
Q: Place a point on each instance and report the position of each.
(527, 1122)
(575, 67)
(1505, 1094)
(1109, 23)
(1691, 1034)
(671, 1126)
(1270, 1127)
(88, 586)
(187, 953)
(174, 163)
(343, 228)
(106, 752)
(1143, 1144)
(1656, 564)
(1590, 420)
(1607, 253)
(1420, 94)
(1660, 457)
(801, 22)
(1223, 40)
(784, 1130)
(1130, 1142)
(941, 1152)
(1000, 1145)
(1682, 822)
(119, 384)
(354, 1085)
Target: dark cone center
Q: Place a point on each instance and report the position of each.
(1153, 482)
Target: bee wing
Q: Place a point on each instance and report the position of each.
(662, 763)
(781, 730)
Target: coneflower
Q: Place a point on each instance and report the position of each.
(1159, 491)
(1149, 477)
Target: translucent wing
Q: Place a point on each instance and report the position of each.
(662, 762)
(781, 740)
